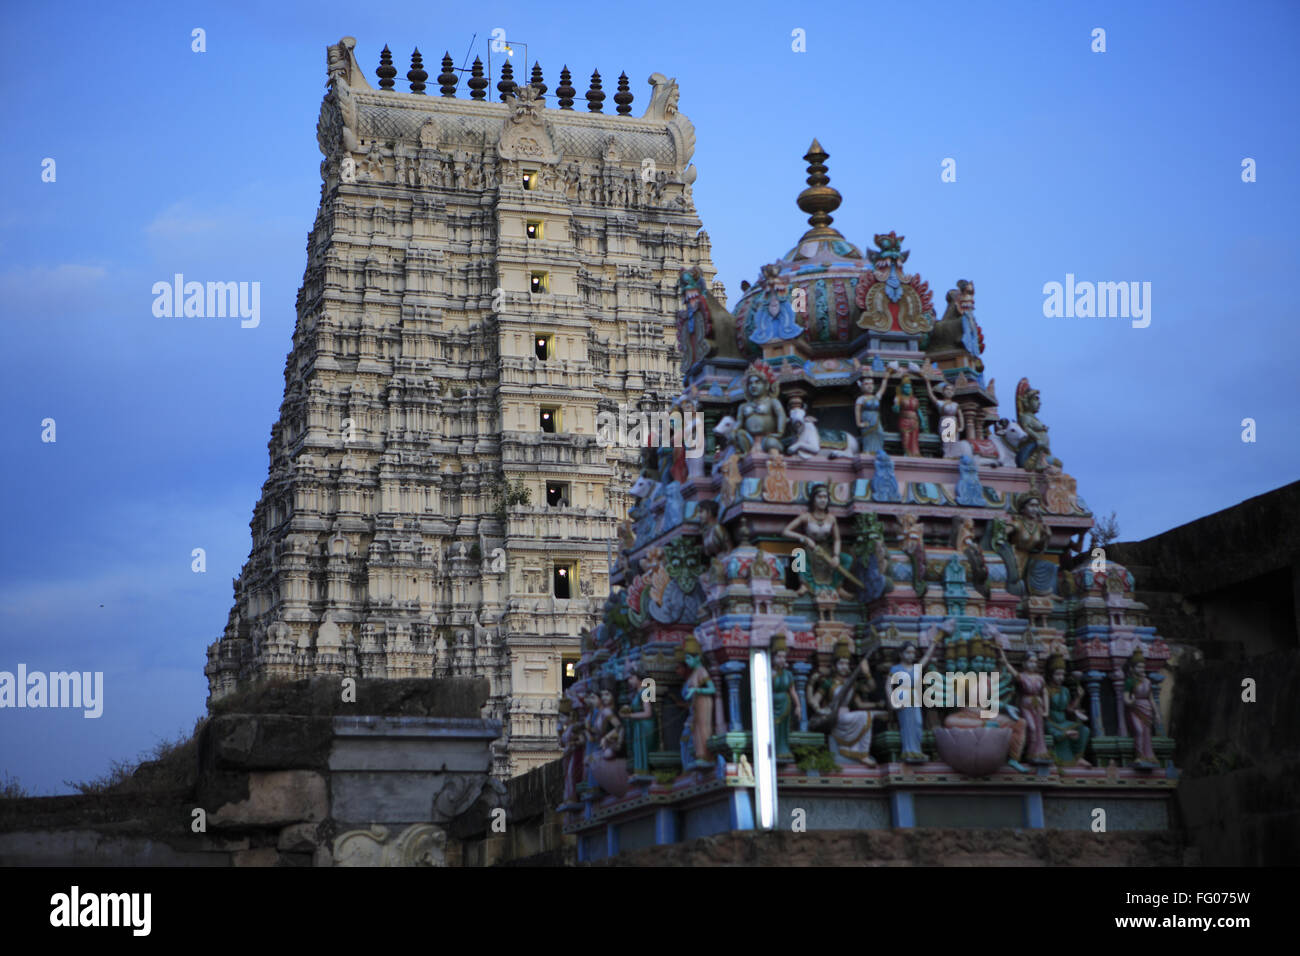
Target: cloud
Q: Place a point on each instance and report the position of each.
(50, 279)
(50, 291)
(181, 220)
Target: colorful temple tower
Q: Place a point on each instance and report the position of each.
(873, 544)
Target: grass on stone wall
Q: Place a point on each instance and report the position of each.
(10, 788)
(170, 765)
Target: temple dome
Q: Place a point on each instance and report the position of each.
(820, 273)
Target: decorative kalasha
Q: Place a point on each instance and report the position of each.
(906, 555)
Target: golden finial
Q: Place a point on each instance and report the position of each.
(819, 199)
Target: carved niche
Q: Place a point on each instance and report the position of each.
(525, 136)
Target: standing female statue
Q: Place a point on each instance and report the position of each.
(698, 692)
(640, 725)
(1032, 703)
(1139, 709)
(908, 407)
(948, 410)
(866, 412)
(571, 743)
(911, 719)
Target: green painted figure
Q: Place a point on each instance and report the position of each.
(1070, 734)
(639, 719)
(785, 702)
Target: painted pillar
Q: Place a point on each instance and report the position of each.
(1092, 680)
(665, 826)
(904, 811)
(1117, 681)
(742, 808)
(731, 673)
(1034, 810)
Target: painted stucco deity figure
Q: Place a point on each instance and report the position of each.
(911, 719)
(866, 412)
(774, 318)
(852, 729)
(1140, 712)
(714, 539)
(1029, 536)
(1034, 450)
(817, 530)
(785, 702)
(821, 717)
(762, 418)
(1062, 489)
(1067, 723)
(591, 732)
(948, 410)
(572, 740)
(610, 728)
(908, 407)
(638, 719)
(698, 691)
(704, 326)
(1032, 703)
(1008, 715)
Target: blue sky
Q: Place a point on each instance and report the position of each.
(1115, 166)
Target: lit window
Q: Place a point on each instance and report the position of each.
(563, 580)
(533, 230)
(537, 282)
(557, 494)
(550, 419)
(542, 346)
(530, 177)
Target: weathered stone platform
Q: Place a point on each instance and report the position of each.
(285, 775)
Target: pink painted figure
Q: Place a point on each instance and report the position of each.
(1032, 703)
(1140, 710)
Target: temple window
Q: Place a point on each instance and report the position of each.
(557, 494)
(549, 418)
(561, 580)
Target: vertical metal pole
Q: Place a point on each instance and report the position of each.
(764, 737)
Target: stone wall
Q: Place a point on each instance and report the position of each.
(530, 833)
(1227, 588)
(920, 847)
(286, 775)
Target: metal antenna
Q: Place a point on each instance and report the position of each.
(462, 67)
